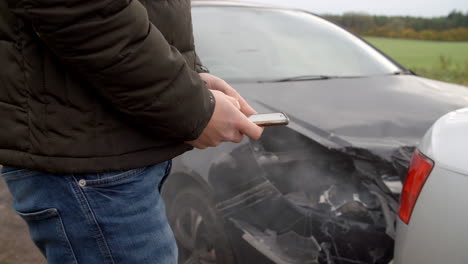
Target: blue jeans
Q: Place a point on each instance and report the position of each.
(116, 217)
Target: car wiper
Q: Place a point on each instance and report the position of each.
(404, 72)
(301, 78)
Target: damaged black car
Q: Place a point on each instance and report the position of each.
(324, 189)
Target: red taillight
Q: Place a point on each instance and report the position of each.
(418, 171)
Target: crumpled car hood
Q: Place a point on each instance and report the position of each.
(322, 185)
(382, 114)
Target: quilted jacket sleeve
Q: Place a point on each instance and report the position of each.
(199, 67)
(114, 46)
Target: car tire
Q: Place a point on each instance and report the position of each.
(198, 229)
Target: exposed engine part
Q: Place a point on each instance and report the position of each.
(287, 248)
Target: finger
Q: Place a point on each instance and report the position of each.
(237, 137)
(196, 144)
(222, 86)
(234, 102)
(214, 143)
(250, 129)
(209, 141)
(246, 109)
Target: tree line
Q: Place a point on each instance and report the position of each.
(453, 27)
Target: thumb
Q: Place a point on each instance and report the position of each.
(250, 129)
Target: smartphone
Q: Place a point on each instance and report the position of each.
(270, 119)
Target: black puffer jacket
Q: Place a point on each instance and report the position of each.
(98, 85)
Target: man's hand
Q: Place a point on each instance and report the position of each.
(215, 83)
(227, 123)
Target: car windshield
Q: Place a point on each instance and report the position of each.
(266, 44)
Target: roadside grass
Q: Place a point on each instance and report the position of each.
(440, 60)
(446, 71)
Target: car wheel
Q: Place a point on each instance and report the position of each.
(198, 230)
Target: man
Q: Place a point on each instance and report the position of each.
(95, 97)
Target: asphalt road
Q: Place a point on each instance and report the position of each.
(15, 245)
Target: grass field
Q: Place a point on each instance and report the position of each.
(445, 61)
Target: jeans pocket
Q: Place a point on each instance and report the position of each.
(48, 233)
(103, 179)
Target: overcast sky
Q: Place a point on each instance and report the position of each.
(425, 8)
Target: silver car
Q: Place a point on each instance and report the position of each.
(433, 218)
(324, 189)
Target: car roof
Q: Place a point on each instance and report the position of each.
(227, 3)
(239, 4)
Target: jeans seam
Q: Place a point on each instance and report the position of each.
(13, 171)
(116, 178)
(63, 234)
(92, 221)
(8, 177)
(166, 174)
